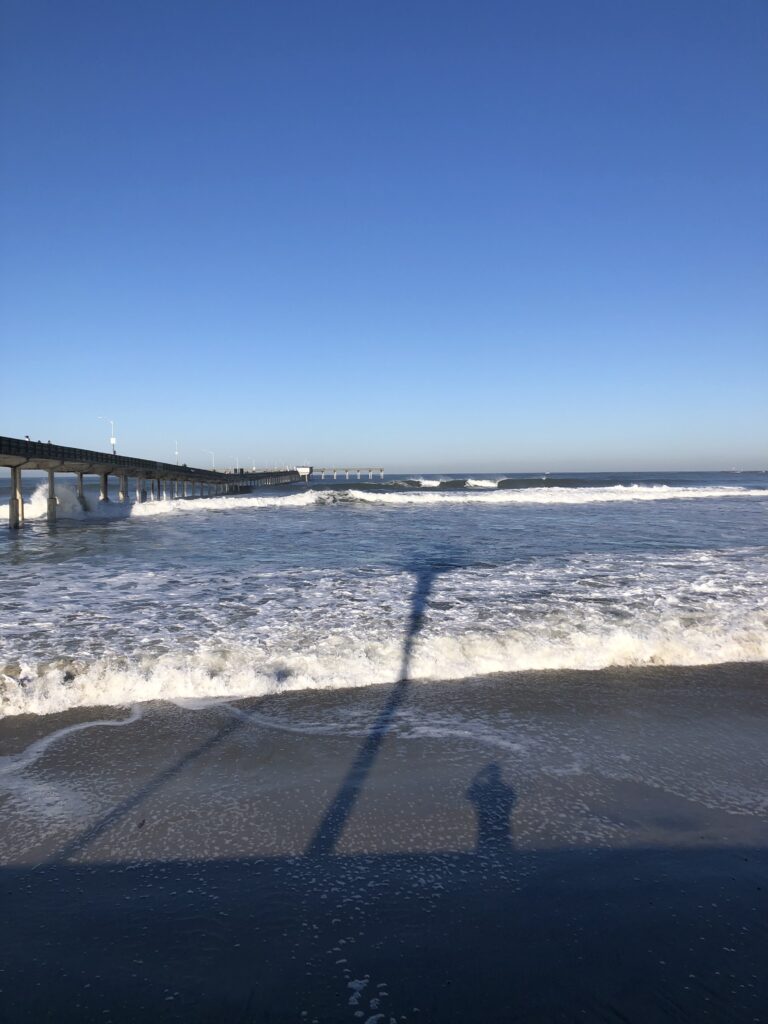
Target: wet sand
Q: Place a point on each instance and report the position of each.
(538, 847)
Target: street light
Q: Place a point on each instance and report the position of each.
(177, 453)
(213, 457)
(112, 438)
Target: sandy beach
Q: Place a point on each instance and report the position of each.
(539, 847)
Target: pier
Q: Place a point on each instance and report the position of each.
(161, 480)
(336, 473)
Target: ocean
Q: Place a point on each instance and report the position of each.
(344, 584)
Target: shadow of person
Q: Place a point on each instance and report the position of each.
(493, 800)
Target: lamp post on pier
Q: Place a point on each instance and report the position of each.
(112, 437)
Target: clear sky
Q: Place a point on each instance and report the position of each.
(427, 235)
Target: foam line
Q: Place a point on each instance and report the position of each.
(15, 762)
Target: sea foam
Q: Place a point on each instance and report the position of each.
(212, 673)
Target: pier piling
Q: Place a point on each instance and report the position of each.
(51, 506)
(16, 510)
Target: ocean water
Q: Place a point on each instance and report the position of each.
(354, 583)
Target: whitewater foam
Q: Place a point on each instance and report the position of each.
(560, 496)
(245, 671)
(482, 491)
(226, 504)
(257, 634)
(68, 504)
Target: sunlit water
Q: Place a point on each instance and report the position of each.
(313, 587)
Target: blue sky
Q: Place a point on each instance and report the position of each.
(436, 236)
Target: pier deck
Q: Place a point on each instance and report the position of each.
(166, 478)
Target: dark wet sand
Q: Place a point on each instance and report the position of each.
(545, 847)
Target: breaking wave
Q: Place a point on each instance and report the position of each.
(437, 495)
(246, 671)
(67, 505)
(560, 495)
(432, 492)
(159, 508)
(142, 639)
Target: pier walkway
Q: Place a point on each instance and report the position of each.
(163, 479)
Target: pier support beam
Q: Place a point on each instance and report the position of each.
(122, 494)
(141, 491)
(51, 508)
(16, 508)
(104, 487)
(81, 493)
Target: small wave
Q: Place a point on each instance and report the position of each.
(471, 482)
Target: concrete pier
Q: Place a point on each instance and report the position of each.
(166, 478)
(51, 509)
(16, 510)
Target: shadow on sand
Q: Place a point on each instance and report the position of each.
(335, 818)
(493, 801)
(589, 934)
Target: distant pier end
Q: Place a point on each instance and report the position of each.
(336, 472)
(157, 479)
